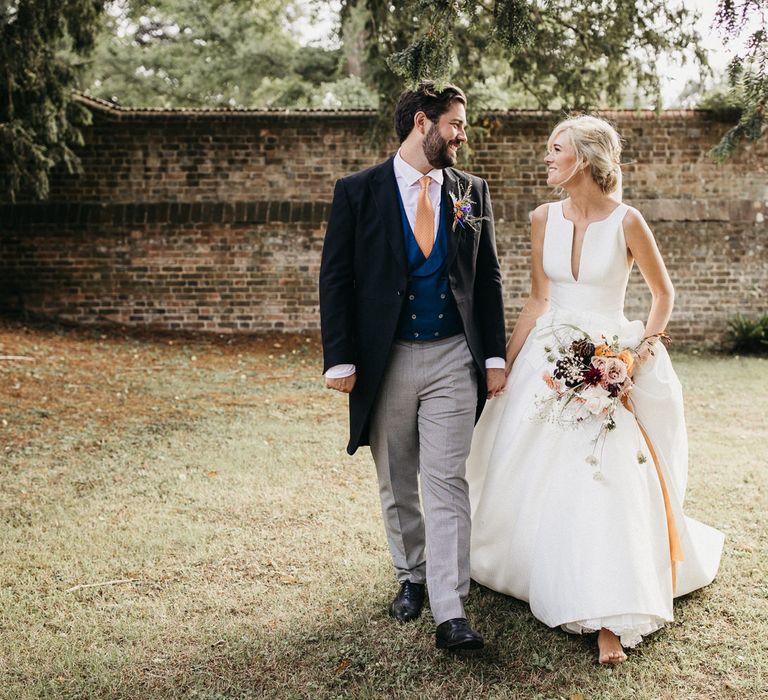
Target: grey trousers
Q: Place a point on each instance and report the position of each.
(421, 427)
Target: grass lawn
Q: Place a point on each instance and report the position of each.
(178, 519)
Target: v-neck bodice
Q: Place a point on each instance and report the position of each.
(602, 268)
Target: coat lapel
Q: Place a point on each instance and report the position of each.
(384, 187)
(450, 186)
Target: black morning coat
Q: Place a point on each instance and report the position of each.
(363, 279)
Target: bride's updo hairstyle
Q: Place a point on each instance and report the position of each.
(596, 142)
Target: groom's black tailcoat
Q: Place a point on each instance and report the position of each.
(364, 275)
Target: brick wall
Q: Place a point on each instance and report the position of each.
(214, 220)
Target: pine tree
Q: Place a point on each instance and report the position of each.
(548, 54)
(42, 46)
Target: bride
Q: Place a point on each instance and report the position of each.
(576, 484)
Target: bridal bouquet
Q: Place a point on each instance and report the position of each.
(587, 382)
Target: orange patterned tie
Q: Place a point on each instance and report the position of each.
(424, 231)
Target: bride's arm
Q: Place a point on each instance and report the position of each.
(642, 246)
(538, 299)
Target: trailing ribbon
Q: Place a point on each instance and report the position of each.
(675, 548)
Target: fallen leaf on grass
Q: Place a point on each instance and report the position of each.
(343, 666)
(212, 472)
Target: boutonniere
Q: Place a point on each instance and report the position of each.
(462, 209)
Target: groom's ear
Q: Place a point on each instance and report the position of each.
(421, 122)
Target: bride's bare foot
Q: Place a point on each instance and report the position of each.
(611, 651)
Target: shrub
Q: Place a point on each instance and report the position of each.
(748, 336)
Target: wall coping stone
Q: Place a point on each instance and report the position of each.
(101, 105)
(317, 212)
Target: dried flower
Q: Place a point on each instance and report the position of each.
(604, 351)
(462, 208)
(552, 383)
(570, 370)
(583, 348)
(593, 376)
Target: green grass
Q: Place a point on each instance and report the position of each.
(256, 566)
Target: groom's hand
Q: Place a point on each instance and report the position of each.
(496, 380)
(343, 384)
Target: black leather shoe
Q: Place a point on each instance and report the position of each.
(456, 634)
(408, 602)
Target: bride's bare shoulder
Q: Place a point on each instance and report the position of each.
(539, 218)
(539, 214)
(632, 214)
(633, 221)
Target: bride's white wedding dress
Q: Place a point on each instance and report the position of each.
(586, 552)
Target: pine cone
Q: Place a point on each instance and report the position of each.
(584, 349)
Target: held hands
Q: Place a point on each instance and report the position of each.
(343, 384)
(496, 380)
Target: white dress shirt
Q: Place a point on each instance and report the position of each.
(408, 183)
(407, 178)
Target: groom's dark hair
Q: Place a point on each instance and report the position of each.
(425, 98)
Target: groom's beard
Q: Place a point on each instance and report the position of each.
(436, 149)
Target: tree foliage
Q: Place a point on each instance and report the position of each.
(217, 53)
(509, 53)
(42, 45)
(550, 54)
(747, 71)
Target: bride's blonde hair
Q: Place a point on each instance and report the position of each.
(597, 143)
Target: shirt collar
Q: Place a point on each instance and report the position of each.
(410, 175)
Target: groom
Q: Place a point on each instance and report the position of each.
(413, 329)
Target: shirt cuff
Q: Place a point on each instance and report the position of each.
(339, 371)
(495, 363)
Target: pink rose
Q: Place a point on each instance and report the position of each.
(613, 369)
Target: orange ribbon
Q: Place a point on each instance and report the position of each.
(675, 548)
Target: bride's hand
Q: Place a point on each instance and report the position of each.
(646, 349)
